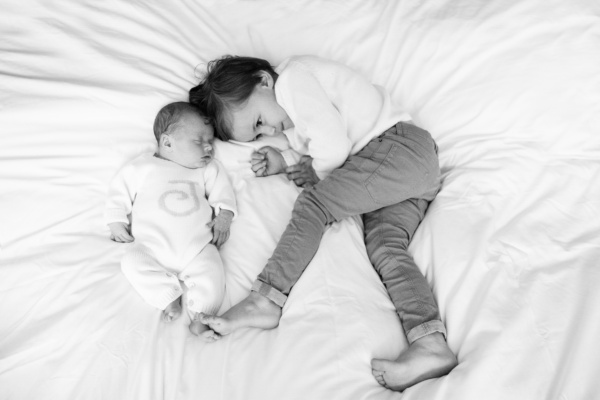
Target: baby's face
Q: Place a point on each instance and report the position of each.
(192, 142)
(260, 115)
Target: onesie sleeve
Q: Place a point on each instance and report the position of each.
(219, 191)
(315, 117)
(121, 194)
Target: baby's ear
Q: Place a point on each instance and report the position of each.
(165, 141)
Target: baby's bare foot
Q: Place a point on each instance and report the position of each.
(255, 311)
(173, 311)
(426, 358)
(203, 331)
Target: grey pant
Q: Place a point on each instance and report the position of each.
(390, 182)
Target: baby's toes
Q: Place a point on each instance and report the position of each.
(167, 317)
(210, 336)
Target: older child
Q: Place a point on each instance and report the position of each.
(169, 196)
(357, 159)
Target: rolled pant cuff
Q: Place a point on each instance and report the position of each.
(425, 329)
(269, 292)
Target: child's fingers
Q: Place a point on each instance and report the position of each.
(210, 224)
(259, 165)
(261, 172)
(264, 150)
(292, 176)
(293, 168)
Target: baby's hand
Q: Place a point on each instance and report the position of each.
(267, 161)
(220, 226)
(120, 232)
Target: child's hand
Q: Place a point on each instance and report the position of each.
(120, 232)
(220, 226)
(267, 161)
(303, 174)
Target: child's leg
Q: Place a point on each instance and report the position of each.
(205, 279)
(388, 232)
(158, 287)
(401, 164)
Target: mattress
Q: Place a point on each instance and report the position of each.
(509, 90)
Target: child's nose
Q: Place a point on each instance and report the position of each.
(207, 147)
(266, 130)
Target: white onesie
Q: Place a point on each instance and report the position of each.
(170, 206)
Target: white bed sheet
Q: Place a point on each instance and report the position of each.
(509, 90)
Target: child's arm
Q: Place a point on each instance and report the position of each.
(316, 118)
(119, 205)
(303, 174)
(268, 161)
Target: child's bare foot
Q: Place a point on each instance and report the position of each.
(203, 331)
(255, 311)
(426, 358)
(173, 311)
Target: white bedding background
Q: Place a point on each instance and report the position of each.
(510, 90)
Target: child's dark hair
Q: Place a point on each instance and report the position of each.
(229, 82)
(169, 116)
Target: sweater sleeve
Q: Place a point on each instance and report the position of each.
(315, 117)
(121, 194)
(219, 191)
(291, 157)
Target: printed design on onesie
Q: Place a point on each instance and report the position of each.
(182, 201)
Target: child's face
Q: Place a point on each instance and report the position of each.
(191, 142)
(259, 115)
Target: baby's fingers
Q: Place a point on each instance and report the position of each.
(122, 238)
(224, 238)
(221, 238)
(216, 240)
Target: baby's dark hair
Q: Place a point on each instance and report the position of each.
(171, 114)
(228, 83)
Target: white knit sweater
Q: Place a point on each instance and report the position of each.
(335, 110)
